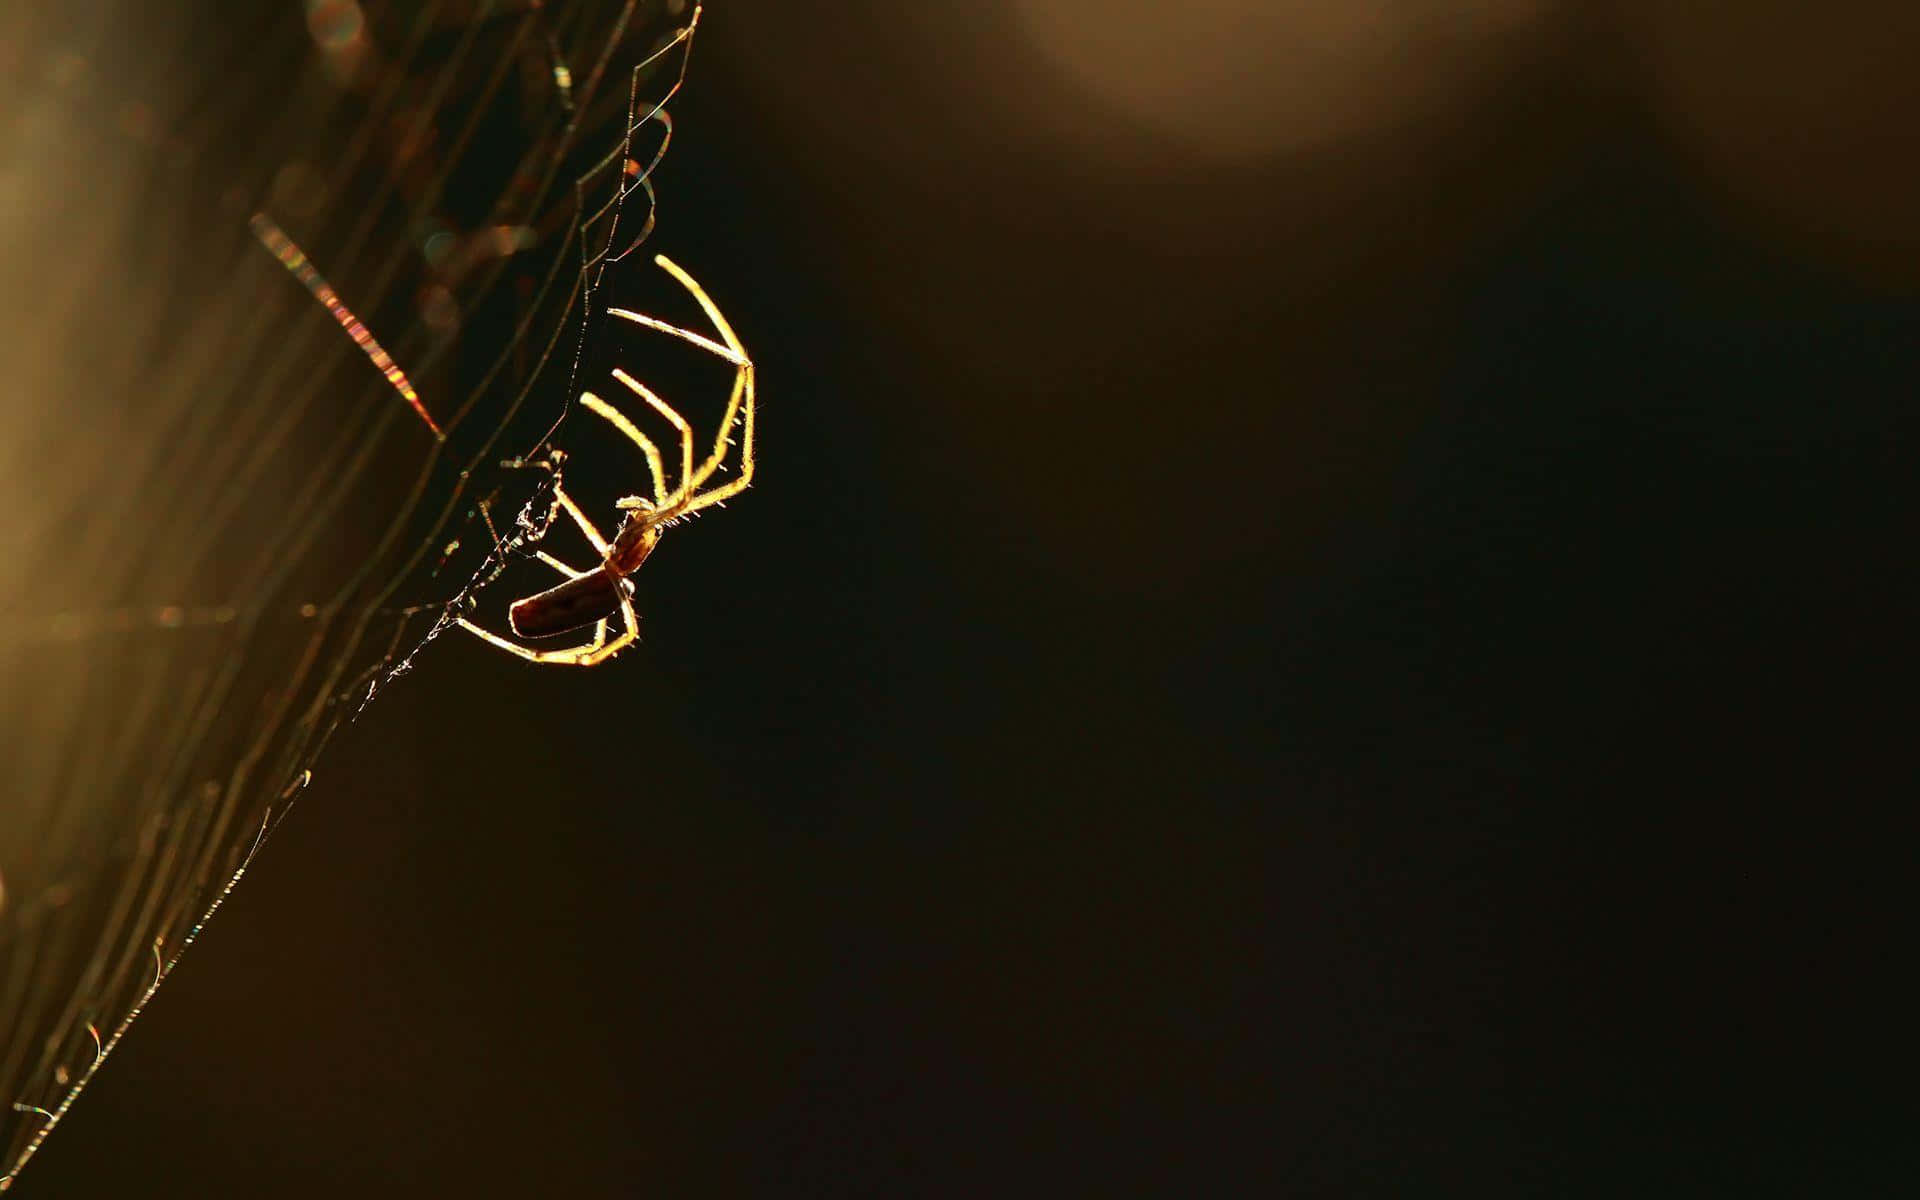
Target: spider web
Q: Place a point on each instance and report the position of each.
(226, 531)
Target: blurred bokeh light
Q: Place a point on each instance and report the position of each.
(1252, 78)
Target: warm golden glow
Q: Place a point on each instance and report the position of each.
(339, 30)
(1242, 78)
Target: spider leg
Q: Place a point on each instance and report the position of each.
(596, 649)
(661, 497)
(740, 482)
(593, 536)
(687, 498)
(619, 421)
(559, 566)
(743, 382)
(686, 335)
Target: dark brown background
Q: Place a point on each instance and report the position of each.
(1349, 639)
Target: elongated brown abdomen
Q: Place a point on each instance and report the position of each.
(577, 602)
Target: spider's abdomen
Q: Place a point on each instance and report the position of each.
(592, 597)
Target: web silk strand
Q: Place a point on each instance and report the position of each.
(295, 261)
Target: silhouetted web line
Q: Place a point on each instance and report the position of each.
(171, 876)
(529, 529)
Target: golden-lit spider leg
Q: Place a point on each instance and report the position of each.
(665, 499)
(557, 565)
(591, 597)
(740, 482)
(687, 499)
(743, 380)
(619, 421)
(585, 654)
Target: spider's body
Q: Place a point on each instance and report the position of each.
(575, 604)
(598, 596)
(594, 596)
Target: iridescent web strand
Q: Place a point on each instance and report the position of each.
(295, 261)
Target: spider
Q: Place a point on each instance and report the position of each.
(596, 596)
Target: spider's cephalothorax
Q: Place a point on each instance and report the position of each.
(597, 596)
